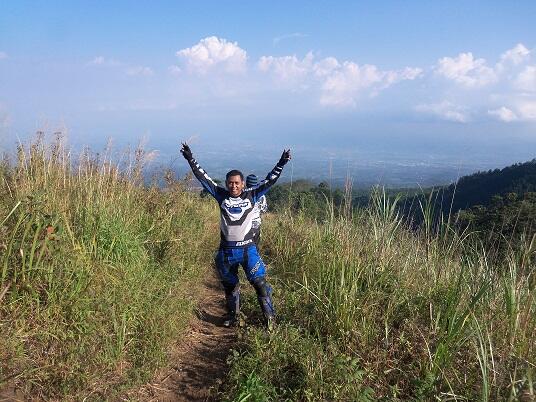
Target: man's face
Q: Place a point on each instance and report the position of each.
(235, 185)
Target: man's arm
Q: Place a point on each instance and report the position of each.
(205, 180)
(272, 177)
(263, 205)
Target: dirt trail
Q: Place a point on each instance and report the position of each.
(199, 363)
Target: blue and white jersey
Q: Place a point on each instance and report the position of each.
(259, 208)
(236, 213)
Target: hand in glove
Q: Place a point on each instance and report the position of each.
(186, 151)
(285, 157)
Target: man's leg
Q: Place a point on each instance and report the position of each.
(256, 274)
(228, 271)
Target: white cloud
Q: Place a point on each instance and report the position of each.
(326, 66)
(286, 67)
(466, 70)
(526, 80)
(139, 71)
(527, 110)
(214, 52)
(340, 84)
(446, 111)
(3, 55)
(503, 114)
(343, 86)
(392, 77)
(515, 56)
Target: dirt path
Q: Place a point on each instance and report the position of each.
(199, 363)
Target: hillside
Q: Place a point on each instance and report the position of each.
(100, 275)
(479, 188)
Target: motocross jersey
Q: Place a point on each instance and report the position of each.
(236, 213)
(260, 207)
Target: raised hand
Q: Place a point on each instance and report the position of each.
(285, 157)
(186, 151)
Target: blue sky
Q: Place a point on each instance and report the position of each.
(419, 77)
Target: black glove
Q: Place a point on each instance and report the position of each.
(285, 157)
(186, 151)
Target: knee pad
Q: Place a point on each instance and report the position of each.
(264, 295)
(262, 287)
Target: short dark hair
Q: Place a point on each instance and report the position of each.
(234, 172)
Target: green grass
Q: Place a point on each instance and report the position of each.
(97, 271)
(370, 310)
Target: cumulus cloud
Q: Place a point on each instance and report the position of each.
(342, 87)
(526, 79)
(286, 67)
(3, 55)
(514, 82)
(446, 111)
(213, 52)
(466, 70)
(518, 54)
(345, 83)
(139, 71)
(503, 114)
(326, 66)
(340, 84)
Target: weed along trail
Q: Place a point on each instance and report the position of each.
(199, 362)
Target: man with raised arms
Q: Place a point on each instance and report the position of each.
(237, 246)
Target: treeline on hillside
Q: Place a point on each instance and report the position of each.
(505, 220)
(500, 204)
(479, 188)
(317, 200)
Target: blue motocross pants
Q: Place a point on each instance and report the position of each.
(227, 262)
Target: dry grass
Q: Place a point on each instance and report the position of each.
(413, 315)
(97, 271)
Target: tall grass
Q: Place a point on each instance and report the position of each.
(97, 271)
(424, 315)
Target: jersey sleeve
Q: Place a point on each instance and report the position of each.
(263, 205)
(268, 182)
(205, 180)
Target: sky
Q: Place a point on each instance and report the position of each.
(453, 79)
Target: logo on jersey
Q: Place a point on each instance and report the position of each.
(243, 243)
(236, 209)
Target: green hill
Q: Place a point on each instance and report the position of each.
(479, 188)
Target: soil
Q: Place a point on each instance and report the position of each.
(199, 363)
